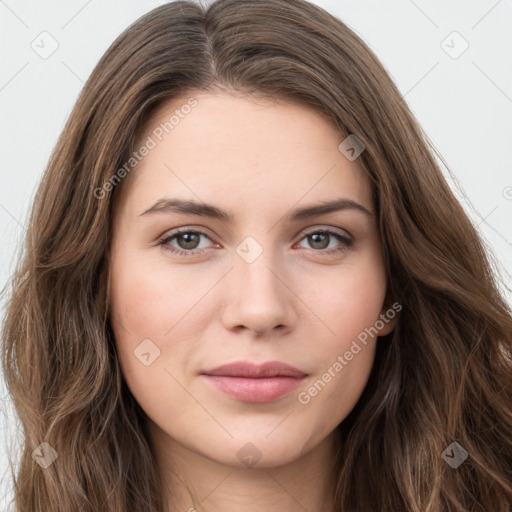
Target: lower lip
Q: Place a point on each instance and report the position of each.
(254, 390)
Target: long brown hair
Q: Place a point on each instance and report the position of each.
(443, 376)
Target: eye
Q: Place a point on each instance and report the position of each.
(189, 241)
(319, 240)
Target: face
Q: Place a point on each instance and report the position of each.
(259, 284)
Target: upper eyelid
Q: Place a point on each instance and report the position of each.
(314, 229)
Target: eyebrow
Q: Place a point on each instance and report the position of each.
(174, 205)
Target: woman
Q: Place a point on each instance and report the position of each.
(246, 285)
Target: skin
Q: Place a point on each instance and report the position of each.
(259, 160)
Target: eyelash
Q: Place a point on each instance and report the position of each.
(346, 242)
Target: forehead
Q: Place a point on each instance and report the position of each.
(243, 150)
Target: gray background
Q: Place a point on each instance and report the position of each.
(464, 103)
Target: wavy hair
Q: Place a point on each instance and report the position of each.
(444, 375)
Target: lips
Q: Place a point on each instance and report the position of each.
(254, 371)
(249, 382)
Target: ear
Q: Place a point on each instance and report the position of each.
(388, 319)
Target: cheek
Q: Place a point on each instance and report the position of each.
(350, 307)
(149, 312)
(352, 299)
(148, 300)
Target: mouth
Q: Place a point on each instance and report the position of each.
(249, 382)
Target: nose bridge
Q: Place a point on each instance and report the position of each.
(257, 297)
(256, 266)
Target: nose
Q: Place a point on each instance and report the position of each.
(259, 298)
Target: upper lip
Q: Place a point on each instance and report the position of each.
(248, 369)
